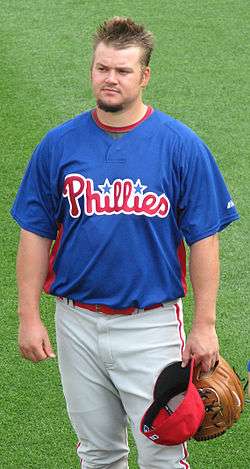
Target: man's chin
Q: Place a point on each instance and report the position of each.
(109, 107)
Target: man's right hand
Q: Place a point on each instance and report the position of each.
(33, 339)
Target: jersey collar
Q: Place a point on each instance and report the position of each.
(109, 128)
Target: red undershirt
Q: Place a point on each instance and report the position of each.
(126, 128)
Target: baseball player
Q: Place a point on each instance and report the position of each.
(105, 205)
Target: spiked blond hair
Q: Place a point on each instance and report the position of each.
(123, 32)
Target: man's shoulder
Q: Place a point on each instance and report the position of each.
(71, 126)
(175, 126)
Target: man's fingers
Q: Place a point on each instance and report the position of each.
(48, 348)
(33, 355)
(208, 364)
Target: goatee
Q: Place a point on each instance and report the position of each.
(109, 107)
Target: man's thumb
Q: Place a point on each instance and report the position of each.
(48, 349)
(185, 358)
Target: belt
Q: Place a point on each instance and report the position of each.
(106, 309)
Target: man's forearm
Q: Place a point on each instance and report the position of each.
(32, 268)
(204, 276)
(202, 341)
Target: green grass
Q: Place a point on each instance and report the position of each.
(199, 75)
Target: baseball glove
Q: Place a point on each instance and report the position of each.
(223, 396)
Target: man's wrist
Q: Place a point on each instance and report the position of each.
(29, 313)
(209, 323)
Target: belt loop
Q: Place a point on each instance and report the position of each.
(70, 303)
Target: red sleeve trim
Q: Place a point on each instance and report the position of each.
(51, 273)
(181, 252)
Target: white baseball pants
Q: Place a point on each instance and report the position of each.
(108, 366)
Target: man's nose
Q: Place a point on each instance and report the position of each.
(111, 77)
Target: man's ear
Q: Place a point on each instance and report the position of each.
(145, 77)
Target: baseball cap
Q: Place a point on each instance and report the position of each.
(165, 424)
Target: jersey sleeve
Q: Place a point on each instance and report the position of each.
(34, 205)
(205, 205)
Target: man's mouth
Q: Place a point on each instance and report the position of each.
(110, 90)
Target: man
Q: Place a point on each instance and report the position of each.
(119, 188)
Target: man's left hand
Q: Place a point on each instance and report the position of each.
(202, 344)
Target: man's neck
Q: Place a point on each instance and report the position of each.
(122, 118)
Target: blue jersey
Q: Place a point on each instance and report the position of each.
(120, 210)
